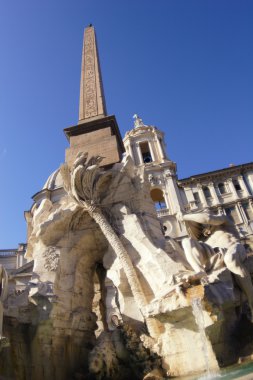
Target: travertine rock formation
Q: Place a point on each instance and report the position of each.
(102, 237)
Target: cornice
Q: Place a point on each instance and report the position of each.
(216, 174)
(145, 129)
(47, 194)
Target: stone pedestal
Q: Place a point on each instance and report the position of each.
(97, 137)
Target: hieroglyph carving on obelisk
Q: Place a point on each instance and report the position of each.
(92, 102)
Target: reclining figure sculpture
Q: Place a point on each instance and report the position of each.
(213, 242)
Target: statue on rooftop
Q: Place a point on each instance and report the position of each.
(214, 242)
(137, 121)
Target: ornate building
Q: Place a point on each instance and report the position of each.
(226, 191)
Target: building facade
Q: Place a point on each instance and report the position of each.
(226, 191)
(13, 258)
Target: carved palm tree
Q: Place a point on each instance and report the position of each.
(83, 183)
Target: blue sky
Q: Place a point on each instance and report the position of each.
(182, 65)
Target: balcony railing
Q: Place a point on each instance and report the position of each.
(163, 212)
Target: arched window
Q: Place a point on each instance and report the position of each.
(158, 198)
(146, 155)
(207, 192)
(222, 188)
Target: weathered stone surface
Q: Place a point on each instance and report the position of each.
(59, 308)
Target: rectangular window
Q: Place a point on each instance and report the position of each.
(232, 212)
(207, 192)
(248, 210)
(237, 184)
(196, 197)
(222, 188)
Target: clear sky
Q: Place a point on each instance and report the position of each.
(185, 66)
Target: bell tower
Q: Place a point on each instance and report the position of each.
(96, 132)
(145, 144)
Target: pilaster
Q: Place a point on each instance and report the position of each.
(232, 188)
(160, 150)
(202, 195)
(131, 153)
(213, 193)
(138, 149)
(242, 214)
(151, 150)
(243, 186)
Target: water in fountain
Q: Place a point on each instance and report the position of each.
(242, 371)
(237, 371)
(199, 318)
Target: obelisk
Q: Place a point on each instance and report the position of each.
(95, 133)
(92, 100)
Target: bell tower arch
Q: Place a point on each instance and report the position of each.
(145, 143)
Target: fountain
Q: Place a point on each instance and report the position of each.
(184, 326)
(199, 318)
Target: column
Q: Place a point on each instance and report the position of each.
(242, 213)
(165, 196)
(151, 150)
(220, 211)
(243, 185)
(232, 188)
(250, 179)
(213, 193)
(159, 148)
(202, 195)
(251, 204)
(250, 224)
(139, 153)
(131, 150)
(173, 195)
(163, 147)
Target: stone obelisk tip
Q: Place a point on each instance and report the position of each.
(92, 101)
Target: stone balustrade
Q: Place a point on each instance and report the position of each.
(163, 212)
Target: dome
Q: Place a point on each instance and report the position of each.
(54, 181)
